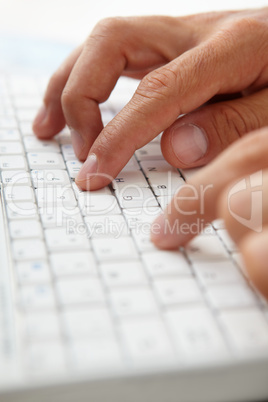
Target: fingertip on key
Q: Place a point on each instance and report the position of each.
(88, 170)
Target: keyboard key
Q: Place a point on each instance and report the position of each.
(175, 291)
(56, 196)
(87, 323)
(75, 291)
(164, 184)
(26, 128)
(95, 355)
(206, 248)
(8, 122)
(29, 249)
(133, 302)
(88, 194)
(131, 166)
(146, 340)
(163, 178)
(20, 229)
(114, 249)
(123, 273)
(68, 152)
(42, 178)
(11, 134)
(222, 272)
(73, 167)
(195, 334)
(19, 193)
(157, 166)
(21, 210)
(39, 296)
(98, 205)
(106, 226)
(134, 197)
(41, 327)
(140, 219)
(151, 151)
(45, 160)
(11, 148)
(126, 178)
(166, 263)
(247, 330)
(143, 240)
(32, 272)
(45, 358)
(16, 178)
(56, 216)
(73, 263)
(33, 144)
(231, 296)
(59, 240)
(13, 162)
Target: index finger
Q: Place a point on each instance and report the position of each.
(182, 85)
(117, 46)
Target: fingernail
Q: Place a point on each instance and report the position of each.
(89, 169)
(189, 143)
(41, 115)
(77, 141)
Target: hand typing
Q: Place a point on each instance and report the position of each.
(212, 69)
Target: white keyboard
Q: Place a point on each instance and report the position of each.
(90, 291)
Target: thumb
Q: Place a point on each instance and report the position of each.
(196, 138)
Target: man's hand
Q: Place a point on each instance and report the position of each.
(183, 63)
(234, 187)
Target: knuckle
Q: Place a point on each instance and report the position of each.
(250, 27)
(111, 139)
(109, 33)
(239, 119)
(158, 84)
(235, 120)
(248, 23)
(67, 99)
(108, 27)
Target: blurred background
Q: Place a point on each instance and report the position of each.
(43, 31)
(71, 20)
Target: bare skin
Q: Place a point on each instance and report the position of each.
(183, 64)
